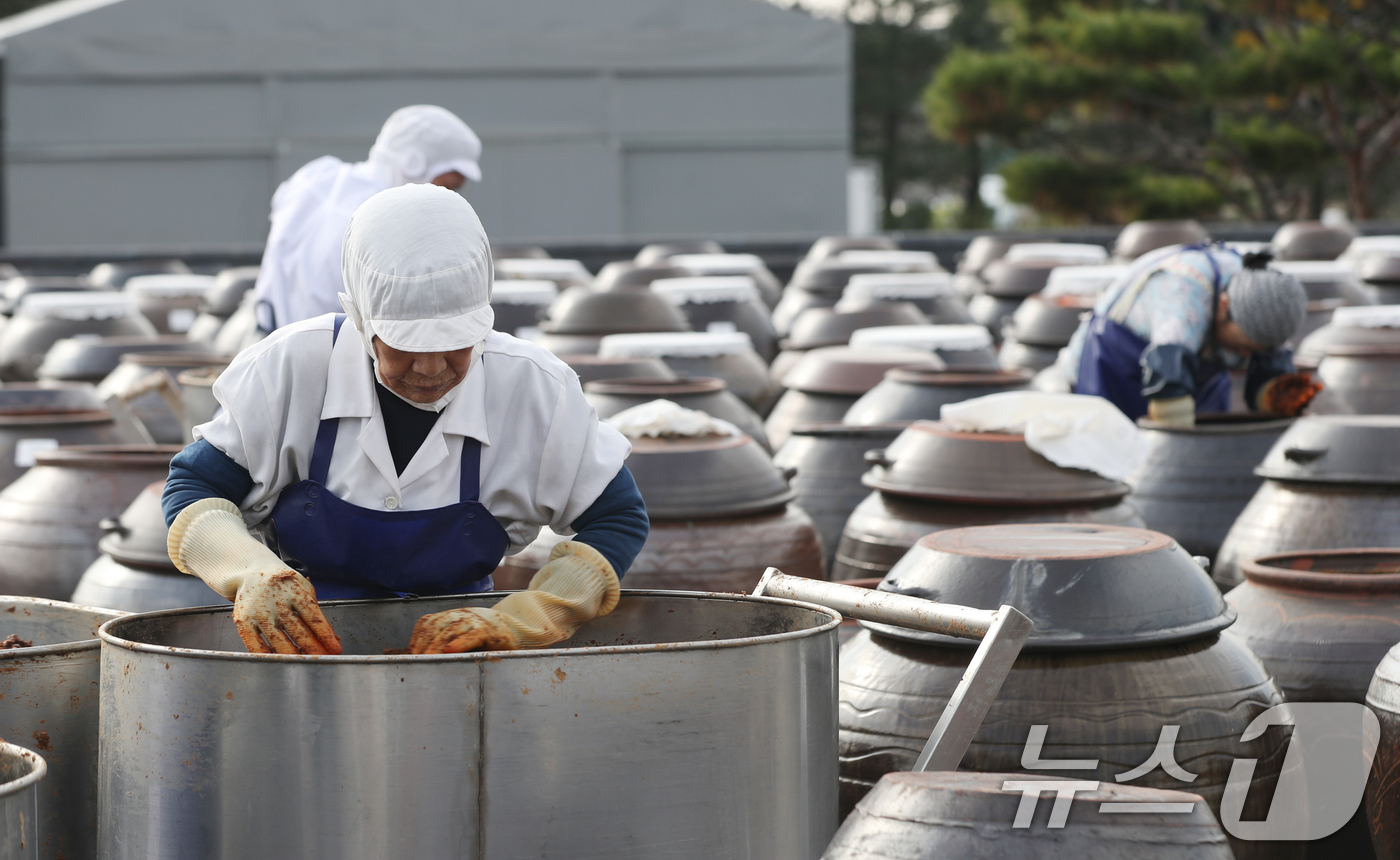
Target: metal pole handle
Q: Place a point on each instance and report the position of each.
(1002, 632)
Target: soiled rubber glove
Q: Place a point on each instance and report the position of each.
(1173, 411)
(1288, 394)
(577, 585)
(272, 604)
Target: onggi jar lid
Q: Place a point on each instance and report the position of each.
(685, 344)
(1064, 253)
(525, 269)
(170, 286)
(532, 292)
(1367, 316)
(1081, 280)
(895, 286)
(717, 264)
(909, 261)
(1084, 586)
(1314, 271)
(930, 338)
(706, 289)
(75, 306)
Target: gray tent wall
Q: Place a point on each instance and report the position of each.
(164, 123)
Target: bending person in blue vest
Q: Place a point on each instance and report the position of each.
(1162, 340)
(402, 448)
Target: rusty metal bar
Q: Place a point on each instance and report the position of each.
(1002, 632)
(867, 604)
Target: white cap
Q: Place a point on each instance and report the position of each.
(419, 143)
(861, 290)
(954, 338)
(531, 269)
(1314, 271)
(906, 261)
(683, 344)
(170, 286)
(1064, 253)
(417, 270)
(706, 289)
(1367, 316)
(717, 264)
(103, 305)
(524, 292)
(1081, 280)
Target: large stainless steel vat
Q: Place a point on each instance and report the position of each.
(681, 725)
(48, 703)
(21, 835)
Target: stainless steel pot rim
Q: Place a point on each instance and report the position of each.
(73, 647)
(833, 621)
(37, 773)
(1063, 643)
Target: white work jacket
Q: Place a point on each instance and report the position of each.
(545, 456)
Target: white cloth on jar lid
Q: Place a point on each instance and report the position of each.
(1077, 431)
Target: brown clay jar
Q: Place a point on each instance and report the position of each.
(1127, 640)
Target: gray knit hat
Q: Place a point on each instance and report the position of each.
(1269, 306)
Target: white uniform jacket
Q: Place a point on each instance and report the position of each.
(545, 456)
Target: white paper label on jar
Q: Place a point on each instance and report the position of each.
(721, 327)
(27, 449)
(180, 319)
(528, 332)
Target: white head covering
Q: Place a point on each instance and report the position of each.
(419, 143)
(417, 269)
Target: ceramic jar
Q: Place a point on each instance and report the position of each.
(1126, 642)
(1330, 482)
(932, 478)
(825, 382)
(49, 518)
(1196, 480)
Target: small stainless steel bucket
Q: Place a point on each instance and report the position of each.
(48, 703)
(21, 771)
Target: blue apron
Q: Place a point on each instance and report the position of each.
(1111, 364)
(352, 552)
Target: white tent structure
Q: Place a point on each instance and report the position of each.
(169, 123)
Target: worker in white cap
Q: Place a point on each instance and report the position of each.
(400, 449)
(1163, 338)
(300, 276)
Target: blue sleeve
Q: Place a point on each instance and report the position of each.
(1264, 367)
(1168, 370)
(616, 523)
(202, 471)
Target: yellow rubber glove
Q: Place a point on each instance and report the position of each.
(1173, 411)
(274, 607)
(576, 586)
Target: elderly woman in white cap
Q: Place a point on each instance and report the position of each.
(300, 275)
(1163, 338)
(401, 449)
